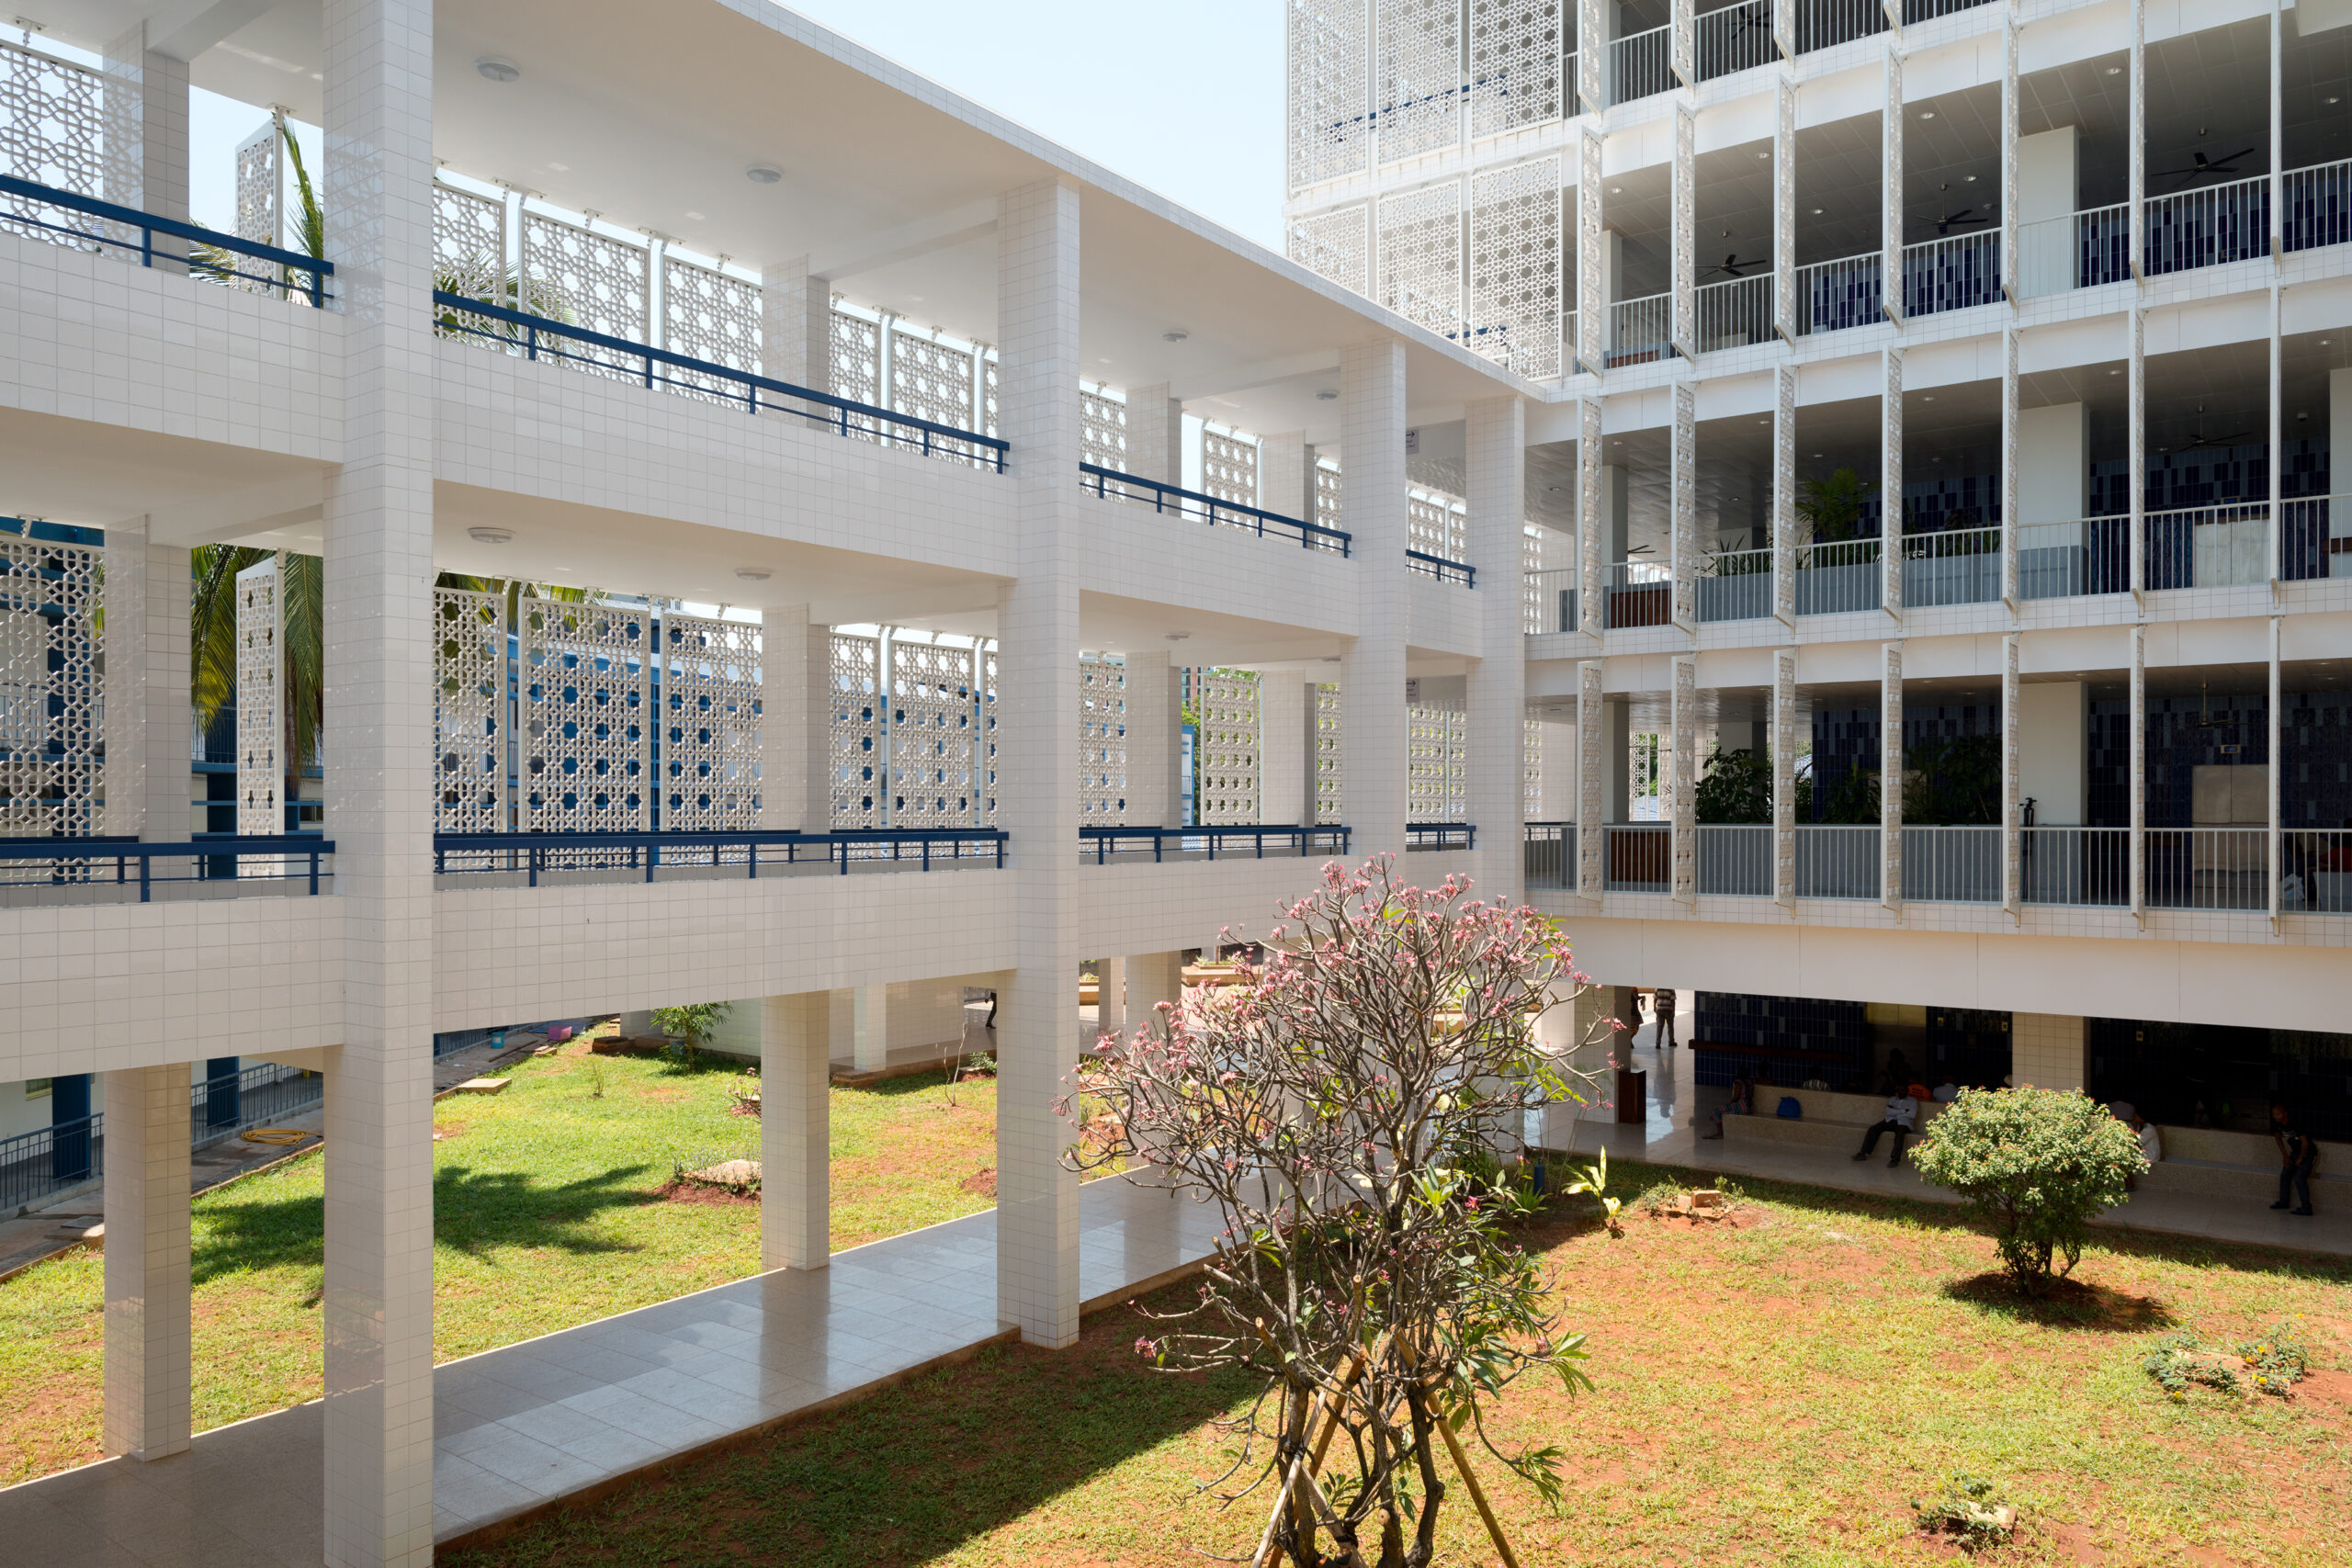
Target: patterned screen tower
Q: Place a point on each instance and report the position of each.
(49, 688)
(52, 130)
(710, 723)
(469, 711)
(1103, 431)
(1421, 256)
(1327, 755)
(1437, 779)
(1517, 287)
(1229, 467)
(1101, 741)
(933, 722)
(1330, 129)
(582, 702)
(1418, 91)
(713, 316)
(470, 258)
(856, 696)
(1515, 57)
(1225, 747)
(1327, 493)
(1336, 245)
(598, 282)
(261, 699)
(932, 380)
(1437, 525)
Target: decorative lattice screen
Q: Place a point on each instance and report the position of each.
(1417, 94)
(1229, 467)
(1437, 775)
(1102, 743)
(260, 187)
(1515, 56)
(470, 258)
(1335, 245)
(1436, 524)
(581, 710)
(933, 381)
(857, 731)
(854, 359)
(708, 315)
(1515, 287)
(1327, 755)
(1103, 431)
(49, 689)
(1420, 255)
(710, 723)
(1330, 123)
(1531, 773)
(1225, 747)
(469, 711)
(988, 733)
(593, 281)
(52, 117)
(1327, 495)
(261, 699)
(988, 392)
(933, 722)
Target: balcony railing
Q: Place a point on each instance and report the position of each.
(1165, 498)
(1105, 846)
(1444, 570)
(1736, 586)
(1641, 66)
(1836, 862)
(1638, 858)
(2208, 547)
(2317, 872)
(1640, 593)
(2062, 560)
(1734, 312)
(701, 856)
(2081, 250)
(1736, 37)
(2208, 227)
(1958, 566)
(1951, 866)
(1952, 272)
(2208, 868)
(2077, 867)
(2315, 537)
(1549, 858)
(85, 223)
(1440, 836)
(1835, 295)
(1836, 578)
(49, 1159)
(105, 871)
(2315, 205)
(539, 337)
(1640, 332)
(1551, 599)
(1735, 861)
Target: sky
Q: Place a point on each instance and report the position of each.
(1185, 98)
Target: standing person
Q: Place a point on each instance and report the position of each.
(1901, 1116)
(1662, 1004)
(2298, 1152)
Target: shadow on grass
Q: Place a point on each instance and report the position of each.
(906, 1477)
(2071, 1303)
(476, 1212)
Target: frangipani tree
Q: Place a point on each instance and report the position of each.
(1344, 1105)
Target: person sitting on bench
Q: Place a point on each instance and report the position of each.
(1901, 1116)
(1742, 1103)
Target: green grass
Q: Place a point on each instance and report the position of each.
(1772, 1392)
(548, 1212)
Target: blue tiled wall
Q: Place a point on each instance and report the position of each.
(1783, 1023)
(1844, 739)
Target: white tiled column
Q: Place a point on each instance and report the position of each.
(1286, 475)
(147, 724)
(1285, 766)
(1037, 283)
(1890, 774)
(795, 1134)
(869, 1024)
(1155, 748)
(147, 1261)
(1371, 675)
(146, 112)
(796, 325)
(1155, 435)
(1494, 441)
(378, 516)
(795, 779)
(1153, 979)
(2048, 1051)
(1111, 995)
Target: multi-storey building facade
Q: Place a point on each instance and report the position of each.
(1934, 390)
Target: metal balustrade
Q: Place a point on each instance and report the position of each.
(111, 870)
(2315, 537)
(1734, 312)
(1825, 24)
(2080, 250)
(1640, 332)
(1736, 37)
(49, 1159)
(2061, 560)
(1833, 579)
(1444, 570)
(1951, 866)
(2316, 871)
(2087, 868)
(1835, 295)
(1641, 65)
(85, 223)
(1736, 585)
(253, 1096)
(1440, 836)
(1735, 860)
(1548, 857)
(2208, 546)
(1837, 862)
(2315, 205)
(1638, 857)
(1639, 593)
(1551, 599)
(699, 856)
(1952, 272)
(1958, 566)
(2207, 227)
(1163, 498)
(1105, 846)
(2208, 868)
(538, 337)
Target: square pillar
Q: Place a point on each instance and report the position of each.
(1593, 779)
(147, 770)
(796, 721)
(1682, 767)
(1285, 766)
(2053, 469)
(2048, 1051)
(1155, 744)
(1037, 315)
(1890, 774)
(1784, 777)
(1494, 441)
(147, 1322)
(146, 108)
(796, 325)
(378, 1303)
(795, 1134)
(1111, 995)
(869, 1027)
(1372, 676)
(1153, 979)
(2053, 720)
(1286, 475)
(2046, 186)
(1155, 435)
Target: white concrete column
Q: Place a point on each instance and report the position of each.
(1682, 514)
(1682, 240)
(2012, 536)
(1683, 828)
(1591, 279)
(1592, 598)
(2135, 141)
(795, 1134)
(1037, 315)
(2053, 722)
(379, 525)
(796, 776)
(1890, 774)
(1784, 777)
(1155, 435)
(870, 1028)
(1558, 772)
(1285, 766)
(2136, 763)
(2047, 180)
(1890, 186)
(1495, 445)
(2048, 1051)
(1286, 475)
(1593, 799)
(146, 110)
(147, 1322)
(2136, 426)
(1153, 979)
(2009, 158)
(2053, 463)
(1890, 483)
(796, 325)
(1784, 205)
(147, 712)
(1111, 995)
(2274, 774)
(1785, 495)
(1154, 745)
(1372, 679)
(2012, 779)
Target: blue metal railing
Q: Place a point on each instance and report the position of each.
(249, 1098)
(534, 853)
(1444, 570)
(49, 1159)
(125, 864)
(1251, 841)
(1440, 836)
(541, 337)
(282, 265)
(1113, 485)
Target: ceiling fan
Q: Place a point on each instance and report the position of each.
(2203, 440)
(2202, 167)
(1945, 222)
(1731, 266)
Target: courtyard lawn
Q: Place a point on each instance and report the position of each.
(1772, 1390)
(547, 1212)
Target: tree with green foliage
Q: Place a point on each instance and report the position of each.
(1831, 509)
(1735, 786)
(693, 1022)
(2035, 1166)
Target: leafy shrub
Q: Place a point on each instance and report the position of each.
(2035, 1166)
(1969, 1509)
(693, 1022)
(2278, 1360)
(2270, 1364)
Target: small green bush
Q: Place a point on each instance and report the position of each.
(2271, 1363)
(1969, 1508)
(2035, 1166)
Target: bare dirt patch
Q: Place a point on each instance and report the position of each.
(981, 1183)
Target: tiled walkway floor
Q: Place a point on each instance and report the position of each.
(519, 1426)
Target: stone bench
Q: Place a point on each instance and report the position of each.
(1830, 1121)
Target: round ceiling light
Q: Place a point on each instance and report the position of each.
(762, 174)
(752, 574)
(497, 68)
(1174, 334)
(490, 535)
